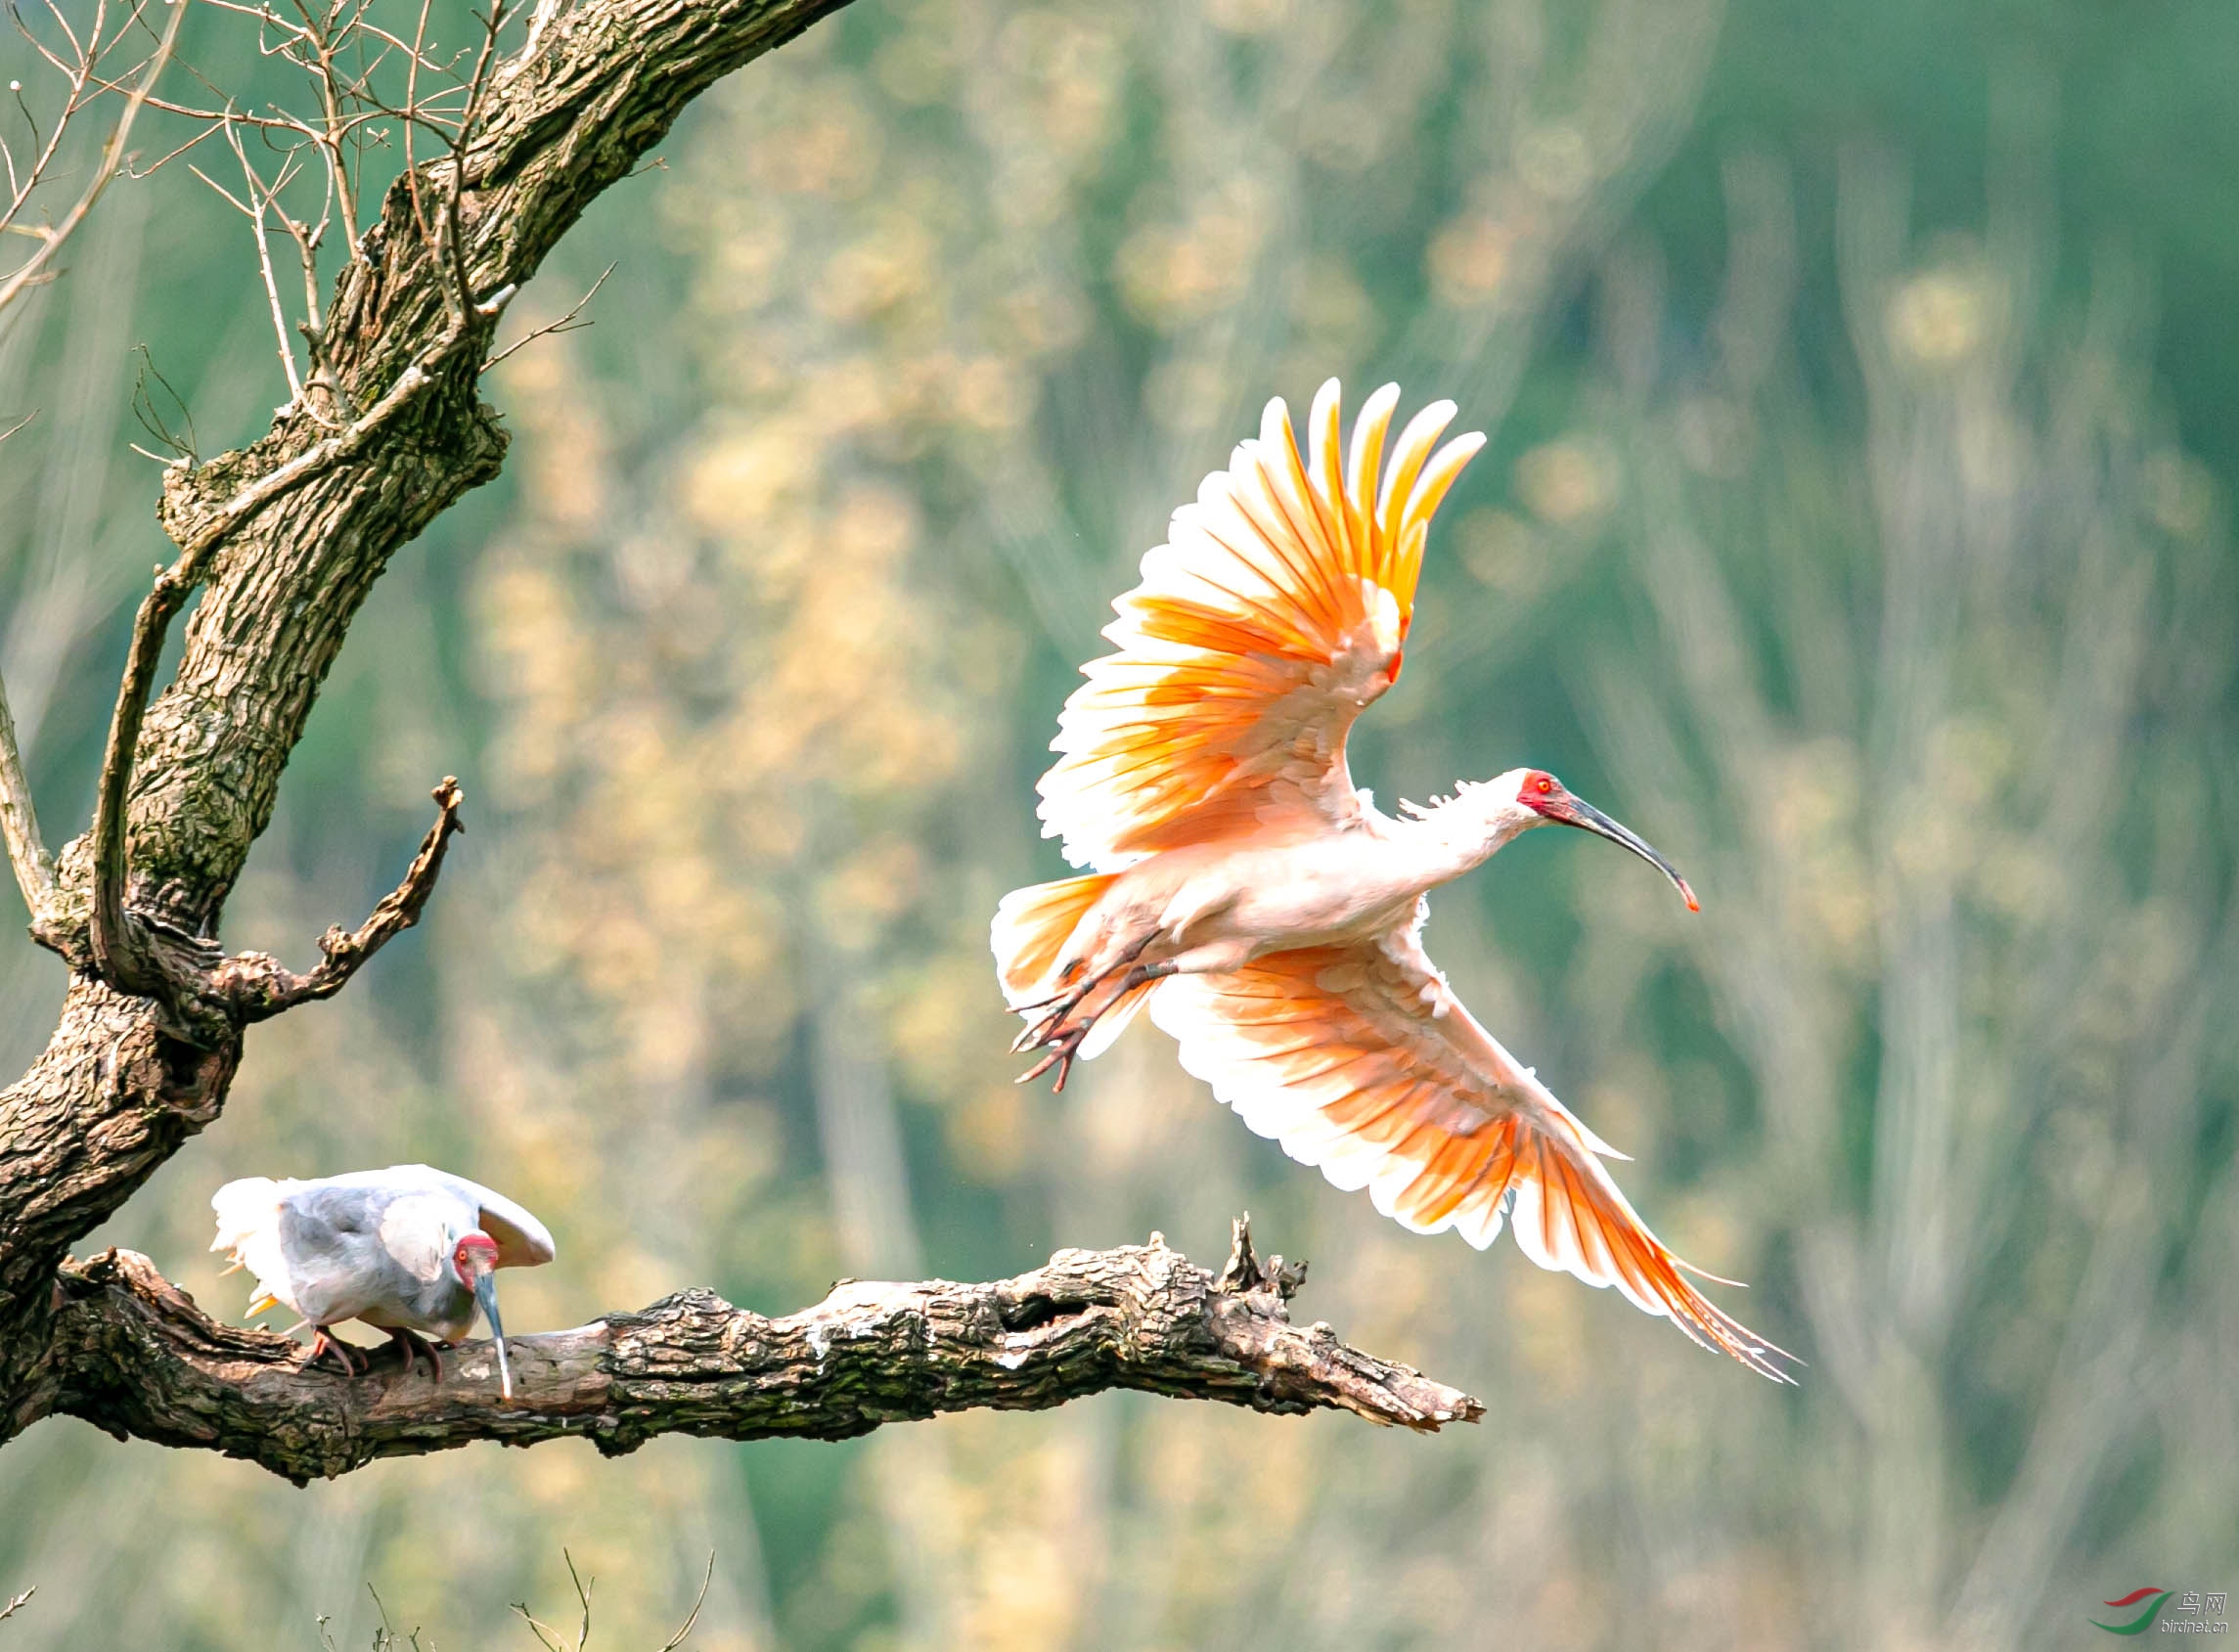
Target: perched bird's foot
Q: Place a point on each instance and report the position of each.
(322, 1343)
(415, 1345)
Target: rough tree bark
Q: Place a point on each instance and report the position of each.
(282, 539)
(141, 1359)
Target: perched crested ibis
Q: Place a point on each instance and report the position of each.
(410, 1250)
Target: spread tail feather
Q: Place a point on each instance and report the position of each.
(247, 1215)
(1031, 928)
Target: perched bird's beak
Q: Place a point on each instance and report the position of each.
(1577, 812)
(486, 1293)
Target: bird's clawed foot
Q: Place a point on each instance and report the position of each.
(322, 1343)
(1069, 994)
(1062, 1036)
(1062, 1046)
(415, 1345)
(1035, 1034)
(1059, 1005)
(1075, 991)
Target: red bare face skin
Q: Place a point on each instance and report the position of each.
(1540, 790)
(476, 1253)
(1545, 797)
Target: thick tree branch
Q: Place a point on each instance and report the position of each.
(133, 1354)
(207, 999)
(557, 126)
(124, 954)
(121, 952)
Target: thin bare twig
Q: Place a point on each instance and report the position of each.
(169, 155)
(543, 1631)
(706, 1578)
(112, 159)
(151, 418)
(259, 987)
(413, 61)
(566, 323)
(454, 222)
(16, 1605)
(548, 1636)
(261, 197)
(27, 849)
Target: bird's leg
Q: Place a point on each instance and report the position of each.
(322, 1343)
(414, 1345)
(1072, 973)
(1064, 1043)
(1063, 1004)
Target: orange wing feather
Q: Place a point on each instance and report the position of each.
(1274, 614)
(1359, 1058)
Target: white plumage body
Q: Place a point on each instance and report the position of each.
(372, 1245)
(1231, 901)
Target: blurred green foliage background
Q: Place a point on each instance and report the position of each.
(1856, 525)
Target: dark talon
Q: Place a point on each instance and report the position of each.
(1063, 1042)
(1067, 976)
(1039, 1032)
(1043, 1003)
(1063, 1003)
(415, 1345)
(322, 1343)
(1062, 1047)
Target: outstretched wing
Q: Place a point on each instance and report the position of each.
(1359, 1058)
(1275, 610)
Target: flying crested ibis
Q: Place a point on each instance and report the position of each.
(1265, 912)
(410, 1250)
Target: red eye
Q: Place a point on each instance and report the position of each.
(1547, 785)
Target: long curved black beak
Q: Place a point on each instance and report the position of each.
(1577, 812)
(486, 1293)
